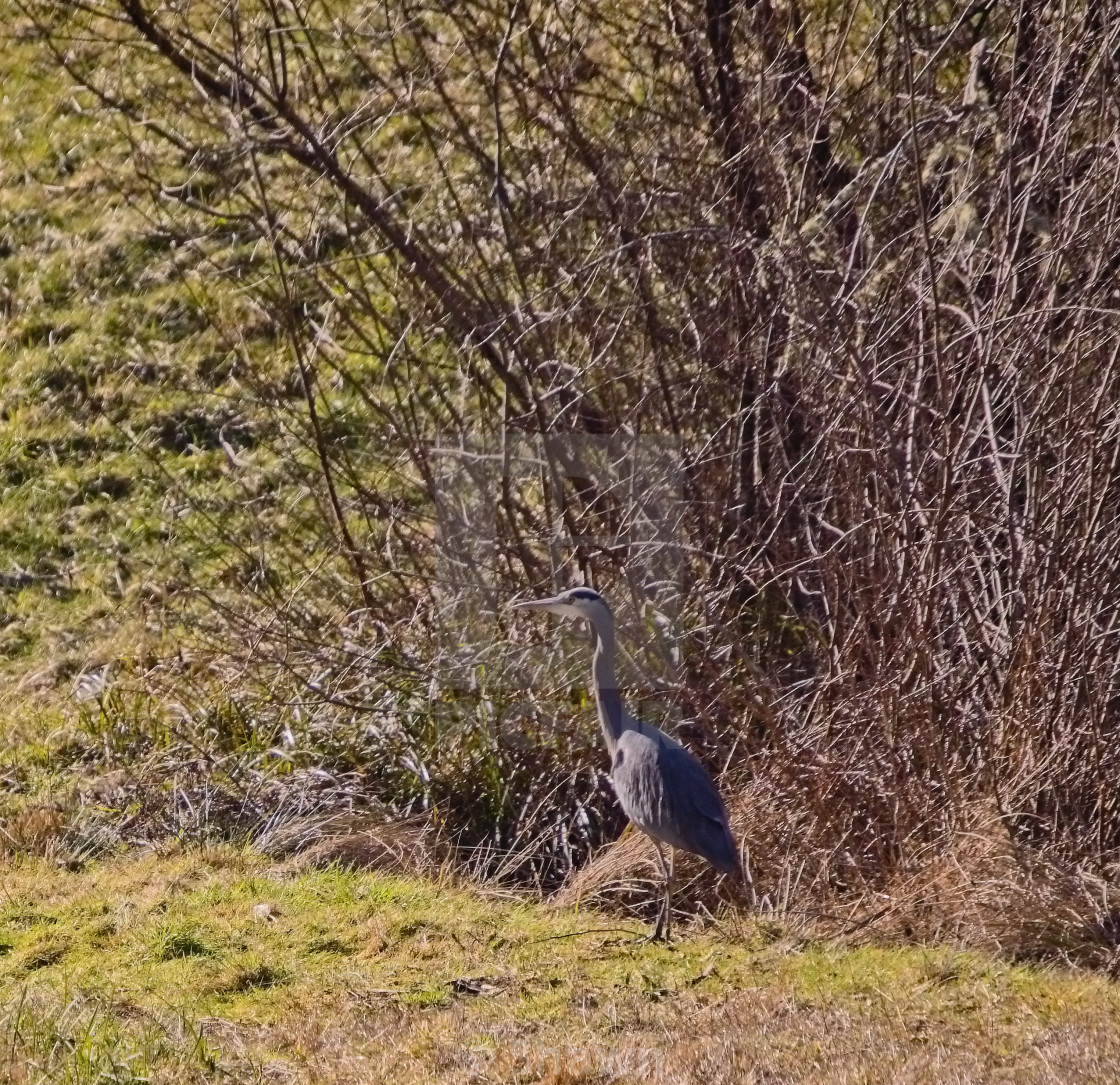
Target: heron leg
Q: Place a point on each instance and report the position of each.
(663, 928)
(669, 893)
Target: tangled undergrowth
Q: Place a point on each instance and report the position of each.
(109, 783)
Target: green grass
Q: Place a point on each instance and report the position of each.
(78, 494)
(117, 379)
(157, 963)
(127, 358)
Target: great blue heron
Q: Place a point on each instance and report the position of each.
(660, 786)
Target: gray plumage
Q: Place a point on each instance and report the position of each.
(660, 786)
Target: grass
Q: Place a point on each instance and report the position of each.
(78, 494)
(167, 967)
(118, 382)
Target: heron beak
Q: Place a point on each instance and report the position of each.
(536, 604)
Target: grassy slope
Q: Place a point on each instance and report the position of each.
(157, 966)
(80, 369)
(115, 389)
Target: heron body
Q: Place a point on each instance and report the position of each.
(691, 817)
(660, 786)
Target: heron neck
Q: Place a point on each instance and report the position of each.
(608, 697)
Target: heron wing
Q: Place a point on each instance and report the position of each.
(668, 794)
(698, 786)
(709, 833)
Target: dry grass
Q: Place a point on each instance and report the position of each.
(977, 889)
(985, 891)
(759, 1036)
(35, 829)
(355, 841)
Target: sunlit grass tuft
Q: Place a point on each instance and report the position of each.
(179, 940)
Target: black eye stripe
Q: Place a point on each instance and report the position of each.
(585, 593)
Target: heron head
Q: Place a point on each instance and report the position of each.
(583, 603)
